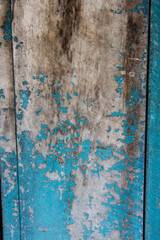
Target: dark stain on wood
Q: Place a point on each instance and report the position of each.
(70, 13)
(60, 160)
(132, 62)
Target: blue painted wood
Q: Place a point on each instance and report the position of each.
(152, 228)
(8, 154)
(80, 78)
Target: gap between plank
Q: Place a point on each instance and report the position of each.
(146, 117)
(15, 113)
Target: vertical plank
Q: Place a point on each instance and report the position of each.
(9, 183)
(80, 78)
(152, 228)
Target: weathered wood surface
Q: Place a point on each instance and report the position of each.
(152, 226)
(8, 157)
(80, 69)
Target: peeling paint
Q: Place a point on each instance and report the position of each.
(80, 113)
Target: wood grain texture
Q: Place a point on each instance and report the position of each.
(9, 183)
(80, 71)
(152, 226)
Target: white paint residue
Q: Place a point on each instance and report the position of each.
(12, 231)
(61, 190)
(6, 175)
(21, 165)
(22, 189)
(31, 210)
(53, 175)
(42, 166)
(33, 165)
(31, 214)
(15, 205)
(4, 160)
(15, 214)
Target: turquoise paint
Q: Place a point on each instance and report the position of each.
(135, 96)
(152, 213)
(105, 153)
(8, 158)
(60, 218)
(120, 68)
(87, 231)
(129, 132)
(56, 95)
(24, 95)
(117, 114)
(117, 11)
(119, 80)
(73, 83)
(4, 138)
(25, 83)
(86, 150)
(20, 115)
(42, 77)
(116, 211)
(66, 150)
(9, 196)
(5, 109)
(18, 46)
(109, 129)
(2, 93)
(141, 7)
(39, 111)
(132, 116)
(15, 39)
(7, 25)
(61, 214)
(60, 100)
(58, 88)
(38, 91)
(68, 96)
(97, 169)
(75, 94)
(77, 156)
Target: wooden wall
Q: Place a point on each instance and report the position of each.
(73, 111)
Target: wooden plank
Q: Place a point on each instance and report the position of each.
(80, 72)
(9, 182)
(152, 228)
